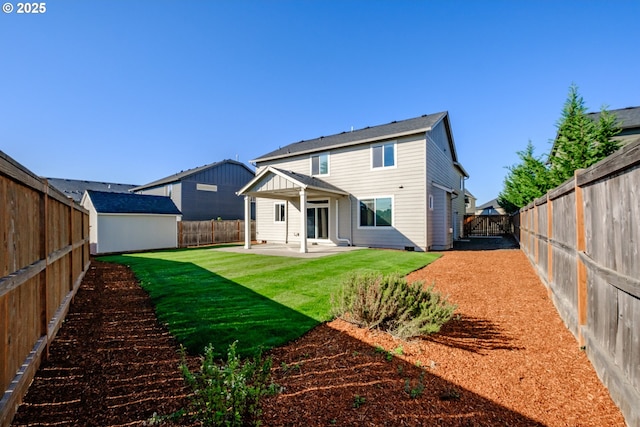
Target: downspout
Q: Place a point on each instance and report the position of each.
(338, 238)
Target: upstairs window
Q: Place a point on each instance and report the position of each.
(376, 212)
(383, 155)
(320, 164)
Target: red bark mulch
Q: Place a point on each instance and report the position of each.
(506, 360)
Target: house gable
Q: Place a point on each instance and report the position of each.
(207, 192)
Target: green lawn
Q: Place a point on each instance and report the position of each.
(207, 296)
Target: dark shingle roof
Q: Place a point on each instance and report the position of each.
(628, 117)
(360, 136)
(105, 202)
(75, 188)
(183, 174)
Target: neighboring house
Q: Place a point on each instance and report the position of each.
(469, 203)
(204, 193)
(75, 189)
(126, 222)
(629, 121)
(398, 185)
(490, 208)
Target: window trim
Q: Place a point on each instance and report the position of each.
(383, 144)
(326, 153)
(282, 211)
(377, 227)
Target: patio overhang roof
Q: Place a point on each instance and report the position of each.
(274, 183)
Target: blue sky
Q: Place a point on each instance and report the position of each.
(132, 91)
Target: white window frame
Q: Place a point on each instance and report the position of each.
(395, 155)
(319, 155)
(280, 212)
(375, 226)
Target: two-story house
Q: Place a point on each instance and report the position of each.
(398, 185)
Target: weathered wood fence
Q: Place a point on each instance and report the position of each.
(43, 257)
(583, 239)
(200, 233)
(487, 225)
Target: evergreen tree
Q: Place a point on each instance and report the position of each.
(607, 127)
(581, 142)
(525, 181)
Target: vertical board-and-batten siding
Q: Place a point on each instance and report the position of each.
(592, 268)
(44, 256)
(200, 205)
(229, 177)
(350, 170)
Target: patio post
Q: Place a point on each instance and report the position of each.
(247, 222)
(303, 221)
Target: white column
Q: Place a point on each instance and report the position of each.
(303, 221)
(247, 222)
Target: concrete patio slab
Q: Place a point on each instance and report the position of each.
(289, 250)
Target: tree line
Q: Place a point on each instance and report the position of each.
(580, 142)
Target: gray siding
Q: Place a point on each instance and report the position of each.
(200, 205)
(440, 170)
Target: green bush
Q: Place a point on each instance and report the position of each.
(228, 394)
(391, 304)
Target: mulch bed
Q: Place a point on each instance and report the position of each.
(507, 359)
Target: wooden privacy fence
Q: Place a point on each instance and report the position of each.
(199, 233)
(487, 225)
(43, 257)
(583, 238)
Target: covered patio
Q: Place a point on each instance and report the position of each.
(278, 184)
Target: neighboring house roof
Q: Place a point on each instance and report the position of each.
(394, 129)
(628, 119)
(492, 207)
(468, 193)
(75, 188)
(131, 203)
(184, 174)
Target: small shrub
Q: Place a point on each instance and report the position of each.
(415, 391)
(228, 393)
(358, 401)
(391, 304)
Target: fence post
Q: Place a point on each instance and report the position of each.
(581, 267)
(549, 237)
(44, 254)
(536, 234)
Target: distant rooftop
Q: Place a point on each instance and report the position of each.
(185, 173)
(75, 188)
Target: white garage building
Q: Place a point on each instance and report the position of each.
(127, 222)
